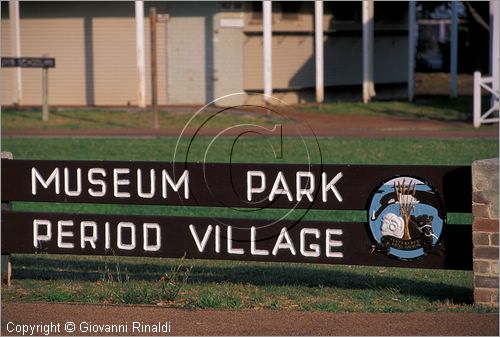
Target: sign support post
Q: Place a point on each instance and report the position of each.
(35, 62)
(6, 264)
(45, 94)
(154, 77)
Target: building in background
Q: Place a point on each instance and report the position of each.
(205, 50)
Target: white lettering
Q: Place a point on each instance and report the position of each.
(107, 244)
(217, 239)
(330, 186)
(93, 181)
(62, 234)
(85, 238)
(78, 183)
(151, 226)
(201, 245)
(230, 249)
(253, 249)
(284, 245)
(140, 192)
(184, 179)
(119, 240)
(280, 179)
(333, 243)
(250, 188)
(35, 176)
(37, 237)
(305, 191)
(314, 248)
(119, 182)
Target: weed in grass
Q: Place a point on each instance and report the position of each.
(59, 296)
(275, 304)
(208, 300)
(171, 283)
(329, 306)
(232, 301)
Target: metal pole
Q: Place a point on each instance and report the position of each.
(412, 5)
(318, 34)
(454, 48)
(15, 43)
(372, 50)
(141, 64)
(45, 94)
(368, 86)
(268, 44)
(477, 99)
(154, 79)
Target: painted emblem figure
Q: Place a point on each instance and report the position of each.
(406, 218)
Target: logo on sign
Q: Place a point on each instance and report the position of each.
(406, 218)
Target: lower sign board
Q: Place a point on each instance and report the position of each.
(206, 238)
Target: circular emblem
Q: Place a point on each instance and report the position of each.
(406, 218)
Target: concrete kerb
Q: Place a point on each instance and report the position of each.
(6, 264)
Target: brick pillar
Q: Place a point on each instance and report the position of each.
(485, 187)
(5, 262)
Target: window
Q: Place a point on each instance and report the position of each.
(344, 11)
(390, 13)
(256, 12)
(290, 10)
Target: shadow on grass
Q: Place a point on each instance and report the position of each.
(433, 107)
(259, 274)
(77, 117)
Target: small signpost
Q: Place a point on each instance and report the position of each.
(35, 62)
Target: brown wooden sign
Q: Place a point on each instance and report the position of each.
(205, 238)
(335, 187)
(406, 211)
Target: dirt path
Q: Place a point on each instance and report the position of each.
(262, 322)
(321, 124)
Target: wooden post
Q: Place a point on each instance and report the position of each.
(15, 45)
(45, 94)
(139, 46)
(268, 49)
(154, 78)
(412, 27)
(495, 47)
(454, 49)
(318, 34)
(368, 17)
(6, 264)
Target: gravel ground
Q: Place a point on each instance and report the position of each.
(261, 322)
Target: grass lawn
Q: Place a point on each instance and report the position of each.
(242, 285)
(435, 107)
(424, 107)
(116, 119)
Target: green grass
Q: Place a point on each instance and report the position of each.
(116, 119)
(433, 107)
(245, 285)
(257, 150)
(436, 108)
